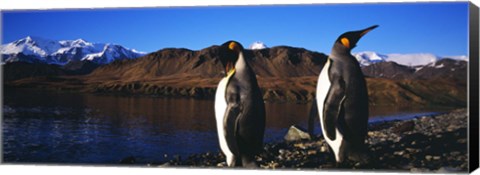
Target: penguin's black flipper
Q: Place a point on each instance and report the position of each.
(231, 125)
(333, 108)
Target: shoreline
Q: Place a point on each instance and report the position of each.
(435, 143)
(143, 95)
(382, 91)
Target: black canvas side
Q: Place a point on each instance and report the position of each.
(473, 88)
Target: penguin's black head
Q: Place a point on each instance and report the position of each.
(349, 39)
(229, 53)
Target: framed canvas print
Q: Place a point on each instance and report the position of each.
(387, 87)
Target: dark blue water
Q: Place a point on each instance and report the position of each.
(53, 127)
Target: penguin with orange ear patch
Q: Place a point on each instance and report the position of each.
(342, 100)
(239, 109)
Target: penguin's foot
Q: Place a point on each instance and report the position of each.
(342, 165)
(250, 165)
(249, 162)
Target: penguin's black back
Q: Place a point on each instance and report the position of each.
(353, 121)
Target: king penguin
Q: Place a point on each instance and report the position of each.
(342, 100)
(239, 109)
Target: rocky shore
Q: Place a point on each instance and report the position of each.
(423, 144)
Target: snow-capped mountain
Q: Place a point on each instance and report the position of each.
(413, 59)
(367, 58)
(447, 68)
(34, 49)
(416, 59)
(257, 45)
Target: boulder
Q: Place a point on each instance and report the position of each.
(295, 133)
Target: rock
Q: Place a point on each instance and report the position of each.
(300, 145)
(455, 153)
(312, 152)
(428, 157)
(399, 153)
(371, 133)
(403, 127)
(324, 148)
(222, 164)
(412, 150)
(295, 133)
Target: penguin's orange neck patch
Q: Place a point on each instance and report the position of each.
(230, 66)
(345, 42)
(233, 46)
(231, 72)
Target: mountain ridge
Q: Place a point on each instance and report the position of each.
(36, 49)
(366, 58)
(284, 73)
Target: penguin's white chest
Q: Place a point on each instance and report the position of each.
(323, 87)
(220, 109)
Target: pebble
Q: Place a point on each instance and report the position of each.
(324, 148)
(399, 153)
(312, 152)
(300, 145)
(455, 153)
(412, 150)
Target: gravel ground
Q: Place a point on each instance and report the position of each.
(423, 144)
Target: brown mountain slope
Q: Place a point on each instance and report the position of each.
(274, 62)
(415, 92)
(285, 74)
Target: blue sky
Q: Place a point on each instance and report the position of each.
(439, 28)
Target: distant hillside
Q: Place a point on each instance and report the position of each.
(444, 70)
(274, 62)
(285, 74)
(21, 70)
